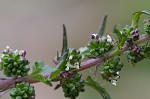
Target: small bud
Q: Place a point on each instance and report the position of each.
(129, 41)
(5, 51)
(22, 53)
(64, 74)
(97, 36)
(8, 49)
(94, 36)
(135, 34)
(136, 50)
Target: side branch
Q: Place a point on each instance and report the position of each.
(8, 83)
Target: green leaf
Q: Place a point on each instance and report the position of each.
(84, 51)
(65, 42)
(117, 32)
(38, 64)
(120, 37)
(127, 30)
(102, 26)
(136, 17)
(47, 69)
(90, 82)
(38, 69)
(61, 66)
(59, 56)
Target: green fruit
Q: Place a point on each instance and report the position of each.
(13, 63)
(22, 91)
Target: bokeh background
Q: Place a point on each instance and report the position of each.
(36, 26)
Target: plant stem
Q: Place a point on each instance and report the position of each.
(7, 83)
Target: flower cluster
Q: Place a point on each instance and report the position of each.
(71, 83)
(98, 46)
(135, 55)
(73, 60)
(22, 91)
(129, 42)
(14, 63)
(135, 35)
(110, 70)
(146, 49)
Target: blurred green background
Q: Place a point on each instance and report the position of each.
(36, 26)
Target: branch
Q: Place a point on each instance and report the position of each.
(5, 84)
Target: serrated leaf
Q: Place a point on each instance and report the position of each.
(136, 17)
(102, 26)
(90, 82)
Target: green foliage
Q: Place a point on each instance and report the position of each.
(135, 55)
(70, 61)
(90, 82)
(121, 35)
(146, 50)
(60, 56)
(38, 71)
(110, 70)
(22, 91)
(147, 26)
(98, 47)
(102, 27)
(136, 17)
(65, 42)
(60, 67)
(71, 83)
(73, 59)
(14, 63)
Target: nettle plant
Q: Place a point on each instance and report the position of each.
(101, 51)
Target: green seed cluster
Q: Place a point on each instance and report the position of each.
(99, 46)
(22, 91)
(73, 60)
(110, 70)
(14, 63)
(135, 54)
(71, 83)
(147, 26)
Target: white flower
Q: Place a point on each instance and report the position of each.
(70, 57)
(16, 52)
(77, 65)
(109, 39)
(7, 47)
(114, 82)
(67, 68)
